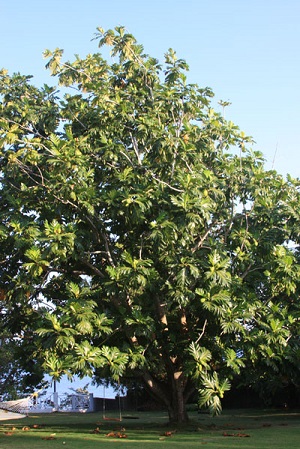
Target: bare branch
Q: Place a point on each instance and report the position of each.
(136, 148)
(92, 267)
(166, 184)
(202, 333)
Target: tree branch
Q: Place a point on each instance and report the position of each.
(202, 333)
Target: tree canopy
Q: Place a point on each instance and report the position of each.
(18, 374)
(141, 236)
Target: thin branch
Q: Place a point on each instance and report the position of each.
(165, 183)
(92, 267)
(248, 270)
(202, 333)
(179, 125)
(107, 249)
(203, 238)
(81, 71)
(136, 148)
(127, 157)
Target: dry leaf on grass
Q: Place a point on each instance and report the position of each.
(116, 435)
(50, 437)
(169, 433)
(240, 435)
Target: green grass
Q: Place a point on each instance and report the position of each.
(233, 429)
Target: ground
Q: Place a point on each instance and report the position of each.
(5, 415)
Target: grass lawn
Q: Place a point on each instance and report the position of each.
(247, 429)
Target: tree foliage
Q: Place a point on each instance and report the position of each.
(19, 373)
(140, 233)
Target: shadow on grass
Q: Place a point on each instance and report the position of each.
(251, 429)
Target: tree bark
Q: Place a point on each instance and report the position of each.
(173, 396)
(177, 411)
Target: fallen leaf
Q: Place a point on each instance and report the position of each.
(169, 433)
(122, 435)
(111, 434)
(240, 435)
(116, 435)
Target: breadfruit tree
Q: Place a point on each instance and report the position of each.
(141, 237)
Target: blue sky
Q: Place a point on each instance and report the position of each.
(247, 51)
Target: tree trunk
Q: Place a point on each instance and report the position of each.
(177, 409)
(173, 396)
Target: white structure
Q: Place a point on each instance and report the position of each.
(55, 402)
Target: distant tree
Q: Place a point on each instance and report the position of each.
(18, 375)
(140, 237)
